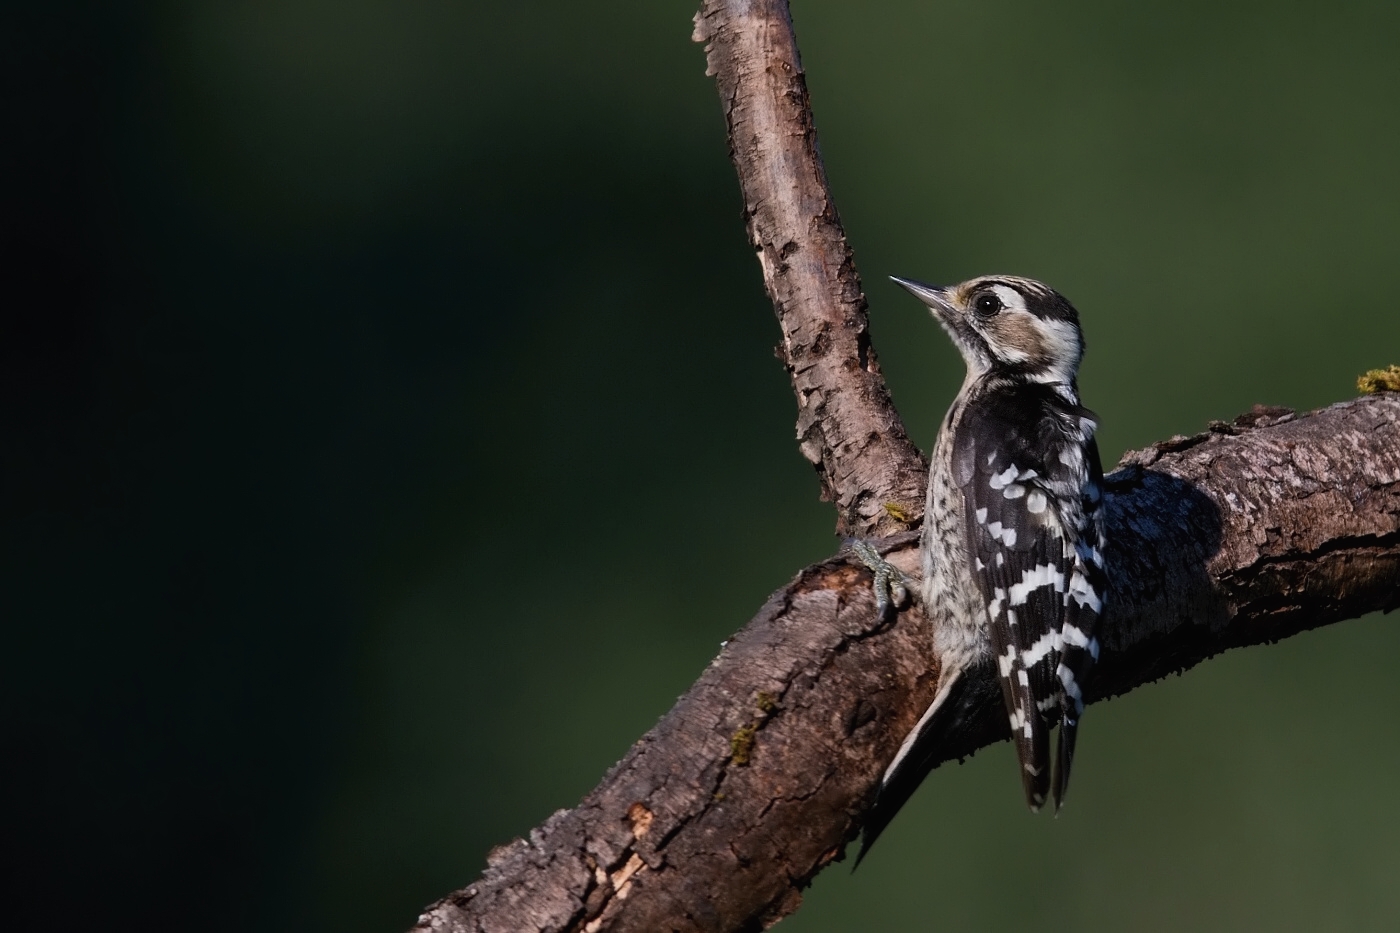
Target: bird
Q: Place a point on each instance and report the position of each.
(1012, 546)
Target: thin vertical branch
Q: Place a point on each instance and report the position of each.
(846, 424)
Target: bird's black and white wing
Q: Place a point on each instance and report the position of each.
(1029, 472)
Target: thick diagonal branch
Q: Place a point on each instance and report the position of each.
(758, 777)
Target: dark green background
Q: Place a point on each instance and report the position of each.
(392, 432)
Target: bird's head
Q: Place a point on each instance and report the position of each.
(1007, 326)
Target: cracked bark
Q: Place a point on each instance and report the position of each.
(758, 777)
(846, 424)
(1246, 534)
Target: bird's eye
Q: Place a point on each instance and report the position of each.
(988, 303)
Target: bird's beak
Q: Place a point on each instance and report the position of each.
(934, 296)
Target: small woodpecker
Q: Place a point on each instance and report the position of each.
(1012, 542)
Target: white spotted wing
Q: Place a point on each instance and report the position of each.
(1031, 482)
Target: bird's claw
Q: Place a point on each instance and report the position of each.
(891, 584)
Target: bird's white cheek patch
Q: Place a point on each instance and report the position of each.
(1062, 344)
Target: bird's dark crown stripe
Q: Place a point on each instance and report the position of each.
(1041, 300)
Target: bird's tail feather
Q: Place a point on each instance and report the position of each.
(966, 696)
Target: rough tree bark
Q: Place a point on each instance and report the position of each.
(758, 777)
(846, 424)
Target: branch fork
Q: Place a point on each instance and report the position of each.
(717, 818)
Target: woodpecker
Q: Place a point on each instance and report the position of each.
(1012, 541)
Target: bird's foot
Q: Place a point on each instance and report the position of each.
(892, 585)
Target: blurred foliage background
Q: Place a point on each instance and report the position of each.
(392, 432)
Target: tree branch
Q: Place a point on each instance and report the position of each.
(756, 779)
(846, 424)
(759, 776)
